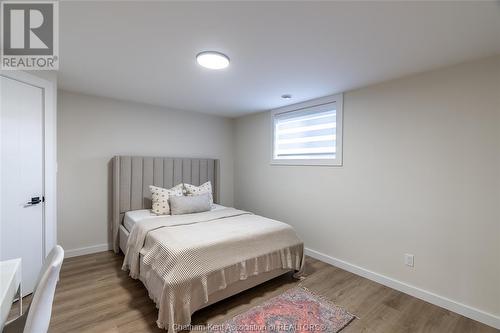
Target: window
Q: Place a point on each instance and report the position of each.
(308, 133)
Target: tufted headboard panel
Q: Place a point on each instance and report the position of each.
(132, 176)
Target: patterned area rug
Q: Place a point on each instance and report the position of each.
(297, 310)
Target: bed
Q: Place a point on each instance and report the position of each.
(188, 262)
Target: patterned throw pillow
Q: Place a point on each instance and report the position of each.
(159, 198)
(203, 188)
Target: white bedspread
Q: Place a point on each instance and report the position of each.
(199, 254)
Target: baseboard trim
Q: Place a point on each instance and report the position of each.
(87, 250)
(449, 304)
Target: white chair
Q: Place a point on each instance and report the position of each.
(36, 318)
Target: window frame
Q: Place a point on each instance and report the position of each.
(338, 99)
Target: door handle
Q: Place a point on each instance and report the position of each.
(34, 201)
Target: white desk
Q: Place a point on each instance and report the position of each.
(10, 286)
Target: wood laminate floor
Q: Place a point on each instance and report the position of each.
(95, 295)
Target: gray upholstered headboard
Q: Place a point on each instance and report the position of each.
(132, 176)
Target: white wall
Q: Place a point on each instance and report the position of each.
(421, 175)
(91, 130)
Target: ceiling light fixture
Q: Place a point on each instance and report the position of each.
(212, 59)
(286, 96)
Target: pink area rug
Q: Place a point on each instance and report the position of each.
(297, 310)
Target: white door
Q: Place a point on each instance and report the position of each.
(21, 200)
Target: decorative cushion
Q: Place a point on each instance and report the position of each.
(203, 188)
(189, 204)
(159, 198)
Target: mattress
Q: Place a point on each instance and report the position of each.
(134, 216)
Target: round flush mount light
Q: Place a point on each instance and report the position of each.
(212, 60)
(286, 96)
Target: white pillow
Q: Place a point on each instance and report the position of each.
(189, 204)
(159, 198)
(203, 188)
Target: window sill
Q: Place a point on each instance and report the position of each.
(331, 163)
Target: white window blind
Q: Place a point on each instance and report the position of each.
(308, 133)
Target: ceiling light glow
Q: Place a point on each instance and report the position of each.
(212, 60)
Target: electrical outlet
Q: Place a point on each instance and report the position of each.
(409, 259)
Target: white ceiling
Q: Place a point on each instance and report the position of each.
(145, 51)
